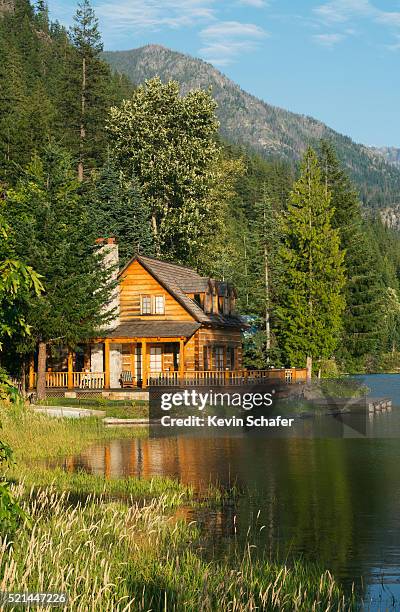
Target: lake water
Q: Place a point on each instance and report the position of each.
(334, 501)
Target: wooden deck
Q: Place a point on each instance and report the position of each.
(96, 380)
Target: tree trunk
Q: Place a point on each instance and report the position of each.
(83, 129)
(245, 269)
(155, 233)
(41, 375)
(267, 293)
(23, 378)
(309, 368)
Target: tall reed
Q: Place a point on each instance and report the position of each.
(108, 556)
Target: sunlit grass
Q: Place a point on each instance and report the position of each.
(34, 436)
(108, 556)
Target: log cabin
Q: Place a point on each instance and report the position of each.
(170, 326)
(170, 321)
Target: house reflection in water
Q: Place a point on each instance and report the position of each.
(191, 460)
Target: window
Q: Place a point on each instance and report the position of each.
(145, 305)
(206, 360)
(219, 357)
(152, 305)
(155, 359)
(230, 358)
(197, 299)
(159, 304)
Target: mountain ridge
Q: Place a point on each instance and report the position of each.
(390, 154)
(269, 130)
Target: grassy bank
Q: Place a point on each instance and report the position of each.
(107, 556)
(35, 438)
(131, 552)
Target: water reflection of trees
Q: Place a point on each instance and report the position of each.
(329, 500)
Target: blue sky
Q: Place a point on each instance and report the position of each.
(337, 60)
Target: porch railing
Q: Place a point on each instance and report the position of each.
(96, 380)
(228, 377)
(80, 380)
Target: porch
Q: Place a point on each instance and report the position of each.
(119, 363)
(96, 381)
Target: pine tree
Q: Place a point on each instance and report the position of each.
(363, 290)
(118, 209)
(42, 15)
(54, 234)
(312, 302)
(13, 111)
(266, 237)
(85, 95)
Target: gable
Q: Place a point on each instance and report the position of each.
(136, 281)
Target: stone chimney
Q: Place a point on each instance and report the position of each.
(109, 249)
(6, 6)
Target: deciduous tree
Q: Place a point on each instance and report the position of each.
(170, 142)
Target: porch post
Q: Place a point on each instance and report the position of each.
(32, 373)
(144, 364)
(70, 370)
(106, 364)
(181, 359)
(133, 351)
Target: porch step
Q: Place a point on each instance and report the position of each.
(124, 395)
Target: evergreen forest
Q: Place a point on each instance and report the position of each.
(85, 153)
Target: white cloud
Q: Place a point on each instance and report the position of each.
(133, 15)
(255, 3)
(340, 12)
(226, 40)
(388, 18)
(232, 29)
(328, 40)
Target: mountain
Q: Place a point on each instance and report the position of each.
(267, 129)
(390, 154)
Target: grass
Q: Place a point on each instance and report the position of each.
(107, 556)
(118, 409)
(35, 438)
(130, 553)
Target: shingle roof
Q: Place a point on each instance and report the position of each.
(179, 280)
(154, 329)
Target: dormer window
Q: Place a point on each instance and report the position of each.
(145, 305)
(152, 305)
(159, 305)
(197, 299)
